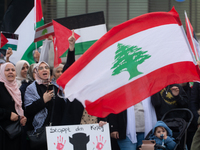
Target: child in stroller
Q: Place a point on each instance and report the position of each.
(162, 135)
(178, 125)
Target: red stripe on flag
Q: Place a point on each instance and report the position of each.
(43, 37)
(118, 33)
(136, 91)
(44, 26)
(39, 14)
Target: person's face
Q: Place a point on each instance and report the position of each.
(10, 72)
(58, 73)
(160, 131)
(43, 71)
(24, 70)
(34, 74)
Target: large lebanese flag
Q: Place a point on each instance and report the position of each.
(131, 62)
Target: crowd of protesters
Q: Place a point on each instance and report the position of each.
(25, 96)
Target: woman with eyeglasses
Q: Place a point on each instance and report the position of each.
(21, 69)
(39, 101)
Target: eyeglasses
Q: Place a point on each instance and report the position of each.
(42, 68)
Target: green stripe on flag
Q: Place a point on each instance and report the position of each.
(14, 47)
(28, 55)
(40, 23)
(80, 48)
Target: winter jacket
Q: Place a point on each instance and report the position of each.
(169, 142)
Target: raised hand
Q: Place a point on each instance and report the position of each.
(72, 41)
(175, 90)
(9, 52)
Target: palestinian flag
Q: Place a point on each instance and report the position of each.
(3, 40)
(89, 26)
(192, 38)
(12, 41)
(131, 62)
(22, 18)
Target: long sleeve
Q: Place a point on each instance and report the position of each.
(195, 101)
(4, 114)
(70, 59)
(170, 144)
(44, 56)
(32, 101)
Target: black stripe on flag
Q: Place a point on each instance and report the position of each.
(81, 21)
(10, 35)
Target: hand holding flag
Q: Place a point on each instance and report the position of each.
(9, 52)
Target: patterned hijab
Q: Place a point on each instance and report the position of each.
(38, 79)
(13, 90)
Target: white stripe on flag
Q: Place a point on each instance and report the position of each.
(164, 52)
(38, 34)
(90, 33)
(12, 41)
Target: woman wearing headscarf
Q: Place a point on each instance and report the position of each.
(29, 79)
(38, 101)
(57, 73)
(21, 69)
(10, 106)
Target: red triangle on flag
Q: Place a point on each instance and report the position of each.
(62, 34)
(3, 40)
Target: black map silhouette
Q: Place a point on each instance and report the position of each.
(79, 141)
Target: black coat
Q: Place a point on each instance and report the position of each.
(163, 103)
(38, 105)
(7, 105)
(118, 122)
(195, 102)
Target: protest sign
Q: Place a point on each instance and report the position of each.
(78, 137)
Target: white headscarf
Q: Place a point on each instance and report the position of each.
(19, 66)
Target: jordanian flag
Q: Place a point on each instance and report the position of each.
(133, 61)
(89, 26)
(12, 41)
(22, 18)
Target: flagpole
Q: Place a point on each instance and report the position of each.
(191, 37)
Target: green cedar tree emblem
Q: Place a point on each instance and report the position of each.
(127, 58)
(44, 31)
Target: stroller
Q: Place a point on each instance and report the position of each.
(178, 120)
